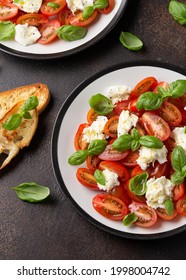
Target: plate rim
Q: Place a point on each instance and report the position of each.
(75, 50)
(54, 142)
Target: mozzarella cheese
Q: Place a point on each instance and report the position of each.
(29, 6)
(95, 131)
(26, 35)
(158, 190)
(111, 180)
(148, 155)
(118, 93)
(126, 121)
(79, 5)
(179, 135)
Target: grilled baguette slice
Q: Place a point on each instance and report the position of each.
(10, 97)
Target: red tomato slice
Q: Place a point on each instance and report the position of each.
(91, 116)
(155, 125)
(79, 143)
(137, 170)
(109, 8)
(164, 85)
(170, 144)
(133, 196)
(179, 191)
(162, 213)
(159, 170)
(121, 193)
(112, 154)
(5, 2)
(116, 167)
(57, 6)
(78, 20)
(93, 162)
(48, 32)
(64, 15)
(86, 177)
(7, 11)
(111, 127)
(147, 216)
(110, 206)
(120, 106)
(170, 113)
(143, 86)
(130, 159)
(181, 206)
(32, 19)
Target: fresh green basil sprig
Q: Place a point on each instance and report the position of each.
(134, 140)
(101, 104)
(53, 5)
(99, 176)
(130, 219)
(15, 120)
(130, 41)
(98, 4)
(71, 32)
(178, 11)
(169, 206)
(96, 147)
(152, 100)
(31, 192)
(7, 30)
(178, 162)
(138, 184)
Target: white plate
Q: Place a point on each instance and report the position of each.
(61, 48)
(73, 113)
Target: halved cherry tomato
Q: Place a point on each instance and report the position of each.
(140, 129)
(170, 144)
(32, 19)
(164, 85)
(91, 116)
(136, 171)
(155, 125)
(48, 31)
(86, 177)
(79, 143)
(147, 216)
(130, 159)
(7, 11)
(162, 213)
(93, 162)
(133, 196)
(111, 127)
(5, 2)
(109, 8)
(121, 193)
(132, 105)
(55, 8)
(143, 86)
(159, 170)
(116, 167)
(110, 206)
(78, 20)
(181, 206)
(170, 113)
(120, 106)
(64, 15)
(179, 191)
(112, 154)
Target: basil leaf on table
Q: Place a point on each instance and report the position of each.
(31, 192)
(130, 41)
(7, 30)
(71, 32)
(130, 219)
(149, 101)
(99, 176)
(178, 11)
(31, 103)
(138, 184)
(101, 104)
(13, 122)
(151, 142)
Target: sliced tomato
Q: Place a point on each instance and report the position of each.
(120, 106)
(140, 129)
(7, 11)
(170, 144)
(53, 8)
(136, 171)
(78, 20)
(155, 125)
(170, 113)
(110, 206)
(112, 154)
(147, 216)
(181, 206)
(48, 32)
(133, 196)
(79, 143)
(143, 86)
(64, 16)
(179, 191)
(132, 106)
(93, 162)
(91, 116)
(5, 2)
(116, 167)
(32, 19)
(121, 193)
(109, 8)
(130, 159)
(86, 177)
(111, 127)
(164, 85)
(162, 213)
(159, 170)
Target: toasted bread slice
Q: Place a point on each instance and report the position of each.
(12, 141)
(10, 97)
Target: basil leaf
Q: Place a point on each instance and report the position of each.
(177, 88)
(7, 30)
(88, 11)
(151, 142)
(96, 147)
(130, 219)
(169, 206)
(177, 177)
(178, 11)
(130, 41)
(71, 32)
(138, 184)
(101, 4)
(162, 91)
(99, 176)
(31, 103)
(123, 142)
(135, 134)
(149, 101)
(13, 122)
(27, 115)
(53, 5)
(78, 157)
(178, 158)
(101, 104)
(31, 192)
(135, 144)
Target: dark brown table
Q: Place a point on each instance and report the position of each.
(54, 230)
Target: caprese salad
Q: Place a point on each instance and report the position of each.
(132, 149)
(31, 21)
